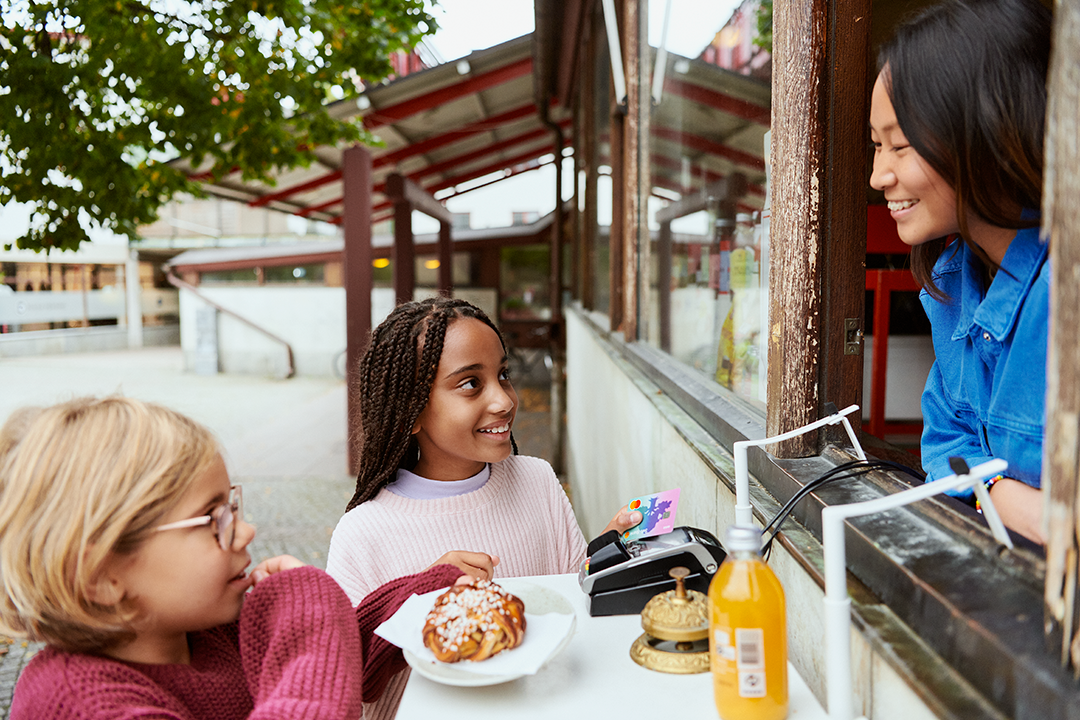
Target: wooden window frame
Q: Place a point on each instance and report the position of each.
(973, 607)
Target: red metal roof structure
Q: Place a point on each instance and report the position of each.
(450, 125)
(440, 127)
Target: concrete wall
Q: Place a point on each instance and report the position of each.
(311, 319)
(910, 360)
(626, 438)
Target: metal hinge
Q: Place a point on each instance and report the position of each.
(853, 336)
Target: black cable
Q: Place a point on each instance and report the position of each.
(843, 471)
(864, 465)
(837, 473)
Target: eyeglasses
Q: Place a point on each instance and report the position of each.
(223, 518)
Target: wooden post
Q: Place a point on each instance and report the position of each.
(618, 237)
(84, 285)
(402, 257)
(556, 341)
(634, 187)
(356, 179)
(577, 254)
(818, 228)
(1061, 454)
(663, 260)
(407, 196)
(446, 260)
(587, 164)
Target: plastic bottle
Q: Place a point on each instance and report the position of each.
(748, 633)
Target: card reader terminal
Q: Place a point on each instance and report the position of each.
(620, 577)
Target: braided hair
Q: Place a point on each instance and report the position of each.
(394, 384)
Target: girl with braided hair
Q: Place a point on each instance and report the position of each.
(439, 468)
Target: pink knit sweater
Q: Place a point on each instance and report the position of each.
(294, 653)
(521, 514)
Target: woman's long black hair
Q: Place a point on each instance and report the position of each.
(394, 383)
(967, 79)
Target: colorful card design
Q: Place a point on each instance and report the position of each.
(658, 514)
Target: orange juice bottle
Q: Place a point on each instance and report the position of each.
(748, 633)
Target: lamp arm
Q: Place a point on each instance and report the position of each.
(837, 604)
(744, 512)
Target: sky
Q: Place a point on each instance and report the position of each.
(467, 25)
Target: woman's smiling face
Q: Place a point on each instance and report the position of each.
(466, 422)
(920, 201)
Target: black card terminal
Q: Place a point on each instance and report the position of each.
(620, 577)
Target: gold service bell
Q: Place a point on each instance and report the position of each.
(676, 625)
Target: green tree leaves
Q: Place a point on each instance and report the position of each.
(96, 96)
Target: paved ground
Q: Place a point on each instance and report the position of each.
(284, 440)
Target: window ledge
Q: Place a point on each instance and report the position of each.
(955, 613)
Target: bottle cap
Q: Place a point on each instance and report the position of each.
(743, 538)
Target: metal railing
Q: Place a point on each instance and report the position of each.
(178, 283)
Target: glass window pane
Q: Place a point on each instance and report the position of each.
(295, 274)
(244, 276)
(526, 283)
(707, 300)
(600, 176)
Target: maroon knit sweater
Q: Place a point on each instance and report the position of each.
(294, 653)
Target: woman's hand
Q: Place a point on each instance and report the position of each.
(623, 520)
(274, 565)
(1020, 507)
(477, 565)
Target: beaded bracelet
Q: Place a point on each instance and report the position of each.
(989, 483)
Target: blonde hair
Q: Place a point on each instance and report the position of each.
(79, 482)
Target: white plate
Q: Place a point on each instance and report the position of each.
(538, 601)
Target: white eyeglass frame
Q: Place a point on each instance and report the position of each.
(234, 506)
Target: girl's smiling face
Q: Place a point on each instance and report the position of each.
(920, 201)
(466, 422)
(180, 580)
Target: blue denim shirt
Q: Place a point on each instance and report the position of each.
(986, 394)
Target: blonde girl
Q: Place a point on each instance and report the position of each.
(124, 548)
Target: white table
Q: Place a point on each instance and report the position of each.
(593, 677)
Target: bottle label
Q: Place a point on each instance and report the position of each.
(750, 661)
(723, 645)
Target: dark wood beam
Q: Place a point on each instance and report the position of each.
(818, 224)
(1061, 461)
(357, 279)
(446, 260)
(403, 256)
(399, 188)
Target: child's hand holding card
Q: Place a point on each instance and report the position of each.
(658, 514)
